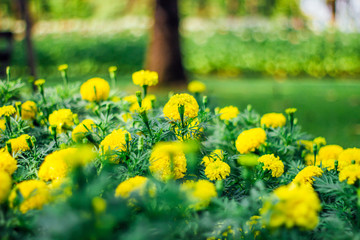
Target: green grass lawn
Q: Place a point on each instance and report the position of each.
(326, 108)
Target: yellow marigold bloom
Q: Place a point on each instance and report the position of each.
(307, 144)
(351, 173)
(63, 119)
(309, 159)
(34, 192)
(112, 69)
(19, 144)
(98, 204)
(273, 120)
(347, 156)
(200, 193)
(217, 154)
(7, 111)
(196, 87)
(54, 166)
(249, 160)
(5, 186)
(320, 141)
(95, 89)
(293, 206)
(229, 112)
(63, 67)
(145, 103)
(193, 131)
(168, 160)
(171, 108)
(306, 176)
(39, 82)
(145, 78)
(132, 185)
(290, 111)
(330, 152)
(250, 139)
(2, 124)
(273, 164)
(217, 170)
(79, 131)
(28, 110)
(115, 141)
(7, 163)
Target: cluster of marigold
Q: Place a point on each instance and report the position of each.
(293, 205)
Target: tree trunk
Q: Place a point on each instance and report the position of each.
(25, 15)
(332, 6)
(164, 54)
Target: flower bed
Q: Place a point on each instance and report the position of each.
(90, 162)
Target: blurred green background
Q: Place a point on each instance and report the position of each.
(268, 53)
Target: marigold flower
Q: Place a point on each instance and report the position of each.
(79, 131)
(229, 112)
(115, 141)
(351, 173)
(347, 156)
(28, 110)
(132, 185)
(273, 164)
(196, 87)
(39, 82)
(63, 119)
(171, 108)
(63, 67)
(168, 160)
(145, 103)
(95, 89)
(145, 78)
(112, 69)
(5, 186)
(273, 120)
(7, 163)
(319, 141)
(217, 170)
(19, 144)
(292, 206)
(215, 155)
(306, 176)
(290, 111)
(7, 111)
(200, 193)
(193, 131)
(35, 194)
(55, 166)
(330, 152)
(251, 139)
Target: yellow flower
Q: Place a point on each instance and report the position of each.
(19, 144)
(63, 67)
(290, 111)
(132, 185)
(199, 193)
(306, 176)
(115, 141)
(192, 131)
(217, 154)
(330, 152)
(196, 87)
(319, 141)
(249, 140)
(347, 156)
(307, 144)
(145, 103)
(39, 82)
(351, 173)
(229, 112)
(7, 111)
(98, 204)
(273, 120)
(145, 78)
(79, 131)
(292, 206)
(249, 160)
(217, 170)
(34, 192)
(112, 69)
(28, 110)
(63, 119)
(7, 163)
(171, 108)
(273, 164)
(5, 185)
(95, 89)
(167, 161)
(2, 124)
